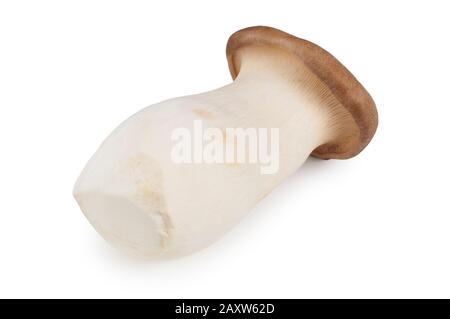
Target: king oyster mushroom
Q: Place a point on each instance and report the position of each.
(143, 202)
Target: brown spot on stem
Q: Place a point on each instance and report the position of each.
(203, 113)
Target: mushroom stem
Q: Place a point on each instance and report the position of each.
(142, 201)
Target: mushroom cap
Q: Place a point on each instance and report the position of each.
(342, 84)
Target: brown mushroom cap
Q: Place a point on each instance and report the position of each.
(342, 84)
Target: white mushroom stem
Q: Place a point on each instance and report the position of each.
(139, 200)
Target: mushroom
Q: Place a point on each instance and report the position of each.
(145, 203)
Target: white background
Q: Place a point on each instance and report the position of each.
(377, 225)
